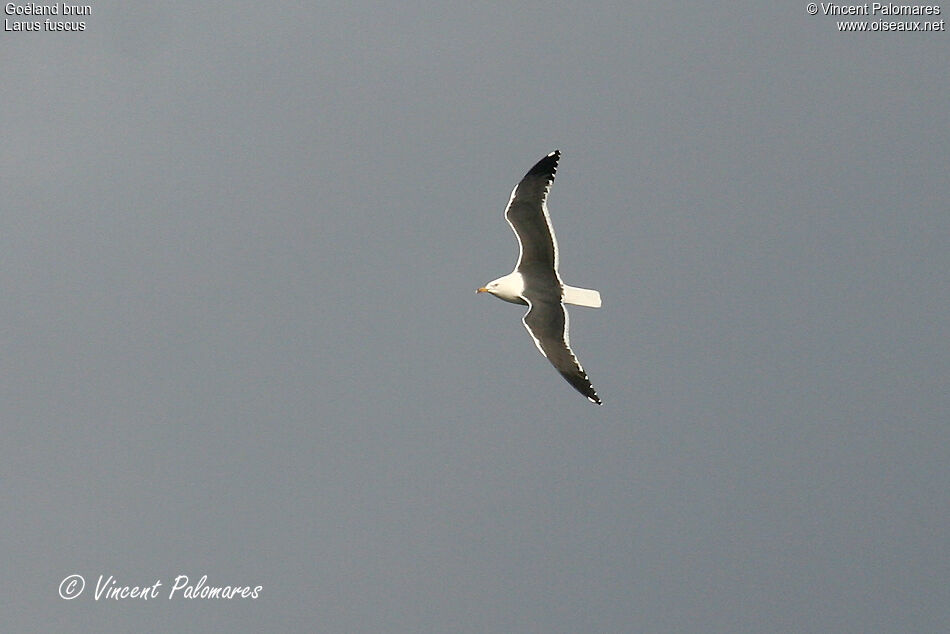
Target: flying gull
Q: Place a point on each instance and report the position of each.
(535, 281)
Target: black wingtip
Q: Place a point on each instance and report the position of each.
(546, 166)
(581, 383)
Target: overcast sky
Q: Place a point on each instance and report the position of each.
(239, 336)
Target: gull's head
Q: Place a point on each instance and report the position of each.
(508, 288)
(498, 288)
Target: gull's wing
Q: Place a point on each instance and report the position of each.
(527, 213)
(547, 323)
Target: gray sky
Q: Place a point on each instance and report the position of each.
(240, 337)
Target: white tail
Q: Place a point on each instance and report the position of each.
(581, 296)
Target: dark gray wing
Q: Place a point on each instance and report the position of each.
(527, 214)
(547, 323)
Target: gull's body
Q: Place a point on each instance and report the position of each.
(535, 282)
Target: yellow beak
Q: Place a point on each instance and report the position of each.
(482, 290)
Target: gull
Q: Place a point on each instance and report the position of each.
(535, 282)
